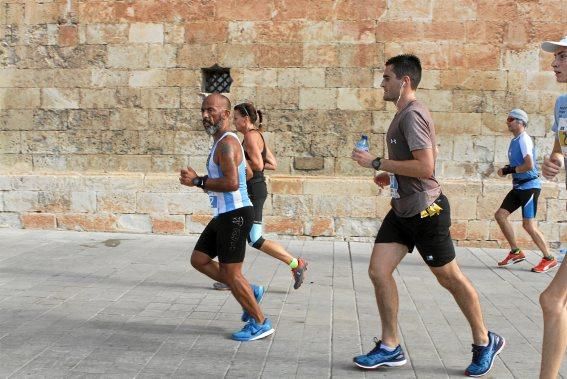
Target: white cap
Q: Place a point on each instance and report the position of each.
(551, 46)
(519, 114)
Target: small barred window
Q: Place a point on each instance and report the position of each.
(216, 79)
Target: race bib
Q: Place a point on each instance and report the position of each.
(393, 186)
(213, 202)
(562, 135)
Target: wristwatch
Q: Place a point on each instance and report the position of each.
(200, 181)
(197, 181)
(376, 163)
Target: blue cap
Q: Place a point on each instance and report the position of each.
(519, 114)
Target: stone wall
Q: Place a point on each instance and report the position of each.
(99, 106)
(298, 206)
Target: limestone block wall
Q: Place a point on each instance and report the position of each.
(299, 207)
(99, 106)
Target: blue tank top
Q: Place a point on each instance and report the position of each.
(521, 146)
(223, 202)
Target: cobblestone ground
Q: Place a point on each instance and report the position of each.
(125, 305)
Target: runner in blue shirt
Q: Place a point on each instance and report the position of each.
(525, 193)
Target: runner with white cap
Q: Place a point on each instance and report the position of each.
(553, 299)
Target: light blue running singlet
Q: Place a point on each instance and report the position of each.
(223, 202)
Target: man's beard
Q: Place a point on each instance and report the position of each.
(211, 128)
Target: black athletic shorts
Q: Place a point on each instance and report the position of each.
(527, 199)
(225, 235)
(430, 235)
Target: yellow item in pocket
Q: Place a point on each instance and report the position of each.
(432, 210)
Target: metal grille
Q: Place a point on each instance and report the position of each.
(216, 79)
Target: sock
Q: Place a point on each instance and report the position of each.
(294, 263)
(387, 348)
(515, 251)
(486, 344)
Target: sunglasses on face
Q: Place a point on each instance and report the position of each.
(511, 119)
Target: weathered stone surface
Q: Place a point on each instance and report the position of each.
(10, 142)
(128, 56)
(27, 98)
(129, 98)
(137, 223)
(109, 78)
(282, 225)
(308, 163)
(83, 201)
(165, 97)
(318, 98)
(320, 55)
(320, 226)
(197, 222)
(10, 220)
(54, 98)
(158, 142)
(106, 33)
(349, 77)
(116, 201)
(198, 56)
(145, 33)
(168, 225)
(359, 99)
(16, 119)
(285, 185)
(121, 142)
(336, 213)
(68, 35)
(21, 201)
(162, 55)
(206, 32)
(117, 87)
(99, 222)
(98, 98)
(38, 221)
(356, 227)
(147, 78)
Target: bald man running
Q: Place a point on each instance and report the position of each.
(225, 235)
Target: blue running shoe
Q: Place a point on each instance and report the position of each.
(258, 294)
(483, 356)
(381, 357)
(254, 331)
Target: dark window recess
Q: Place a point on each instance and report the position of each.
(216, 79)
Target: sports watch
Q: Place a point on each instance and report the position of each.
(199, 181)
(376, 163)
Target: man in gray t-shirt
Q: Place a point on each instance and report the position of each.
(420, 217)
(410, 130)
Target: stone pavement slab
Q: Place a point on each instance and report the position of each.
(130, 306)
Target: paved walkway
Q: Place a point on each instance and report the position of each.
(123, 305)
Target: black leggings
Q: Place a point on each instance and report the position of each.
(258, 192)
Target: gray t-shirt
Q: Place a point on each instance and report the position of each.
(411, 129)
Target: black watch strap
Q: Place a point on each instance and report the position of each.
(200, 181)
(197, 181)
(376, 163)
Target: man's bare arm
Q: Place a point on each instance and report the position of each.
(422, 166)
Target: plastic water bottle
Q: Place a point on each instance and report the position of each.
(362, 143)
(561, 254)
